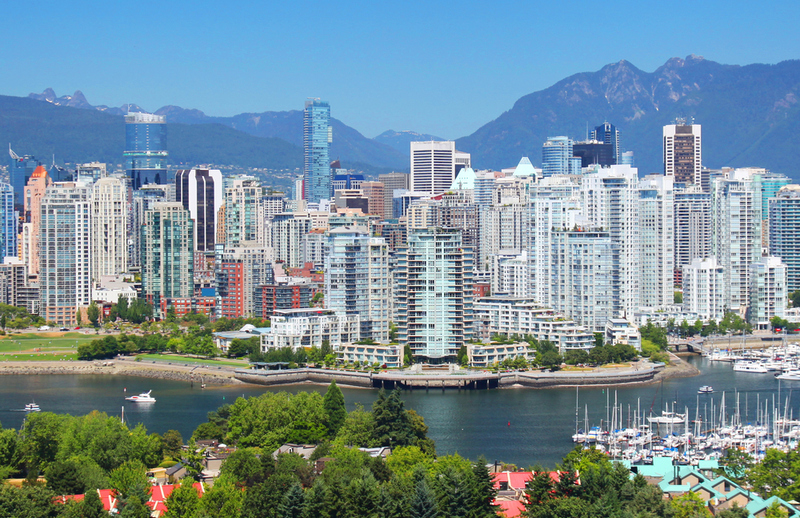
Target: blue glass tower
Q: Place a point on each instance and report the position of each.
(19, 170)
(607, 133)
(556, 156)
(8, 222)
(316, 146)
(146, 149)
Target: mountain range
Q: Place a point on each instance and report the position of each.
(749, 114)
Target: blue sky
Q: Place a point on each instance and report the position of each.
(440, 67)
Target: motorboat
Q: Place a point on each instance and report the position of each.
(793, 375)
(705, 389)
(752, 367)
(32, 407)
(144, 397)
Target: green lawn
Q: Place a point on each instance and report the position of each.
(30, 341)
(41, 357)
(185, 359)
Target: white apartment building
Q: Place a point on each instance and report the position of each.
(434, 166)
(507, 315)
(656, 240)
(243, 211)
(109, 211)
(611, 203)
(693, 224)
(509, 273)
(287, 230)
(501, 228)
(768, 291)
(309, 327)
(736, 215)
(704, 289)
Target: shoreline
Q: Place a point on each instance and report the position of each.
(221, 376)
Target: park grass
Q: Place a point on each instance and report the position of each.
(188, 359)
(37, 357)
(45, 341)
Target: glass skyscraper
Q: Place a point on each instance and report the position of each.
(146, 149)
(8, 222)
(20, 169)
(317, 138)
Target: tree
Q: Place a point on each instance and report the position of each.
(794, 298)
(293, 503)
(735, 464)
(576, 356)
(78, 318)
(690, 505)
(358, 429)
(172, 443)
(423, 504)
(550, 359)
(392, 426)
(122, 307)
(599, 339)
(677, 297)
(243, 467)
(64, 479)
(92, 507)
(93, 313)
(482, 491)
(135, 508)
(183, 501)
(333, 402)
(129, 477)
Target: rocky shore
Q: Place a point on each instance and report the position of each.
(678, 368)
(186, 373)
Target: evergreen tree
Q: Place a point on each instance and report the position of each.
(63, 478)
(122, 307)
(392, 425)
(183, 501)
(539, 488)
(92, 507)
(93, 313)
(567, 484)
(423, 505)
(316, 501)
(335, 408)
(293, 503)
(363, 495)
(482, 491)
(135, 508)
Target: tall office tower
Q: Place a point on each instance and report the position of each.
(9, 219)
(682, 152)
(391, 182)
(557, 156)
(502, 227)
(375, 195)
(434, 166)
(656, 240)
(704, 288)
(357, 279)
(433, 294)
(768, 294)
(736, 227)
(317, 137)
(582, 276)
(200, 192)
(238, 272)
(611, 202)
(168, 250)
(146, 148)
(20, 168)
(242, 211)
(65, 260)
(607, 133)
(34, 192)
(142, 201)
(693, 227)
(592, 152)
(784, 232)
(109, 212)
(287, 231)
(555, 203)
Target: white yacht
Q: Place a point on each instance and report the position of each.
(793, 375)
(754, 367)
(705, 389)
(32, 407)
(144, 397)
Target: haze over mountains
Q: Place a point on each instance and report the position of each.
(750, 117)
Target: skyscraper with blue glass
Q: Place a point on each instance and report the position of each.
(8, 222)
(146, 149)
(19, 170)
(317, 136)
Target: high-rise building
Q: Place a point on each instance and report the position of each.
(608, 134)
(20, 168)
(65, 260)
(13, 280)
(557, 156)
(168, 249)
(682, 152)
(317, 137)
(287, 231)
(656, 240)
(375, 195)
(433, 294)
(242, 211)
(34, 192)
(434, 166)
(145, 148)
(391, 182)
(736, 227)
(142, 201)
(703, 288)
(693, 227)
(200, 192)
(109, 212)
(9, 219)
(768, 293)
(357, 280)
(238, 273)
(784, 232)
(593, 152)
(611, 202)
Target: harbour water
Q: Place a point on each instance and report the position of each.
(520, 426)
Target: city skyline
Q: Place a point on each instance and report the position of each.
(394, 62)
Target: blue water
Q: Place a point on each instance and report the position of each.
(521, 426)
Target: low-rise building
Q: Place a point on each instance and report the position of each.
(620, 331)
(390, 356)
(484, 355)
(309, 327)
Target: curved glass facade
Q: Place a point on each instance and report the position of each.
(146, 148)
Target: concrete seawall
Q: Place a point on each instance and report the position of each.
(188, 374)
